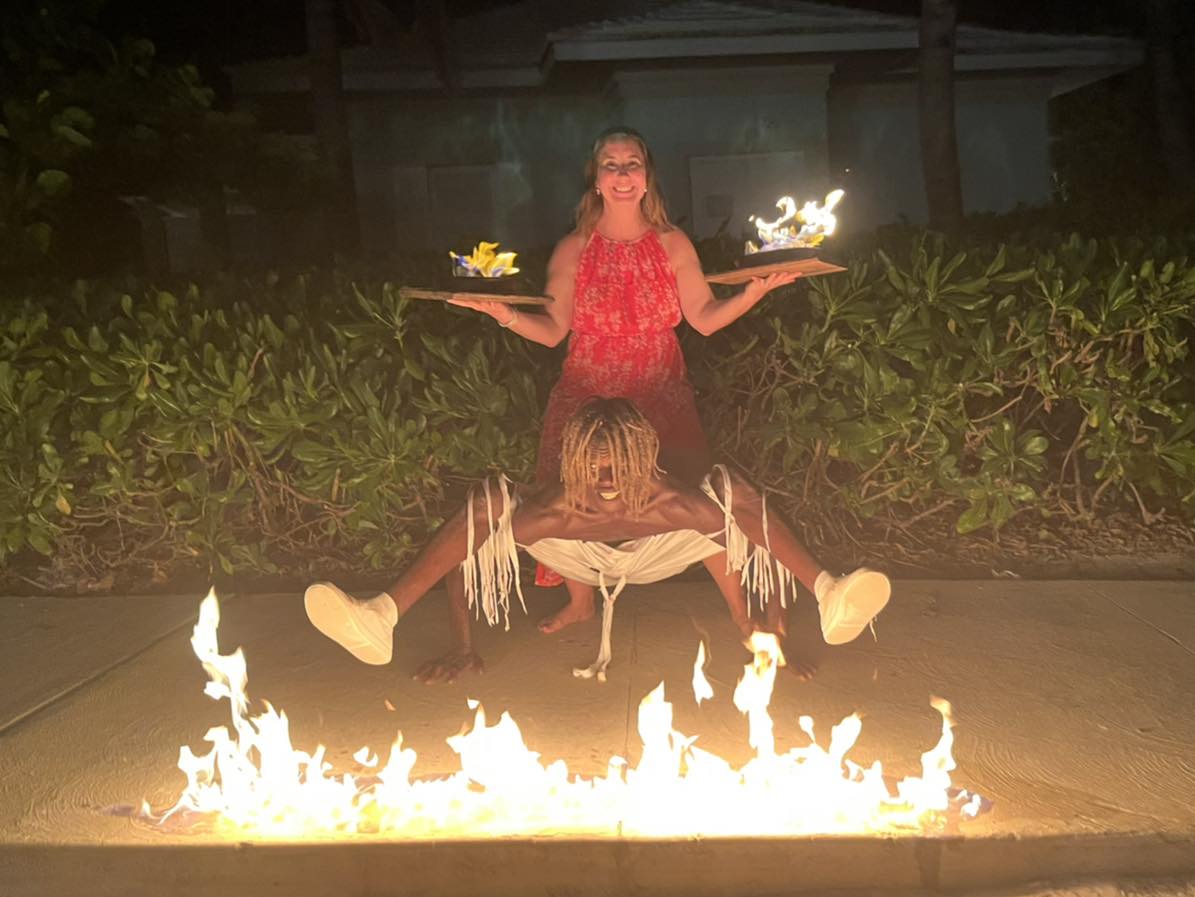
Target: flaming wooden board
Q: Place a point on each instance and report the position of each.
(804, 267)
(449, 295)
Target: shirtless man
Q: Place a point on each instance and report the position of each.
(612, 491)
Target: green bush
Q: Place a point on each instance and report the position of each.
(278, 428)
(86, 120)
(313, 423)
(982, 382)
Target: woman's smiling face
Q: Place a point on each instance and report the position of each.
(621, 171)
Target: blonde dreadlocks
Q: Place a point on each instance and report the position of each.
(615, 429)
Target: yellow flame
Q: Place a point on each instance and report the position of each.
(484, 261)
(702, 690)
(807, 226)
(753, 694)
(253, 782)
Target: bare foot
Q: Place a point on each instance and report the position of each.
(448, 666)
(565, 617)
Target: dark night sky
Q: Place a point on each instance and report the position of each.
(218, 32)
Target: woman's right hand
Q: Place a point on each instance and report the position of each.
(502, 313)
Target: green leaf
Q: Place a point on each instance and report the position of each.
(41, 235)
(142, 48)
(414, 368)
(973, 518)
(1014, 276)
(1002, 510)
(72, 135)
(77, 117)
(52, 181)
(973, 287)
(96, 341)
(1035, 445)
(1023, 493)
(997, 264)
(39, 542)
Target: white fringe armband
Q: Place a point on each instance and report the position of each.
(755, 570)
(737, 543)
(490, 569)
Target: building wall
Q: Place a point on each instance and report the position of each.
(434, 173)
(440, 173)
(1003, 142)
(728, 142)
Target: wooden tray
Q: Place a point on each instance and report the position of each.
(448, 295)
(804, 267)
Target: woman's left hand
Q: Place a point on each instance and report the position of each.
(758, 287)
(501, 312)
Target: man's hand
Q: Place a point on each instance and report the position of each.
(447, 667)
(774, 622)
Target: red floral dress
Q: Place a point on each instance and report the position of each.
(623, 344)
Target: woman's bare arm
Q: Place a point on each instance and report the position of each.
(701, 309)
(552, 325)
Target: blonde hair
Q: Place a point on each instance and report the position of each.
(589, 209)
(617, 429)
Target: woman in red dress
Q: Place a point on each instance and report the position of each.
(621, 281)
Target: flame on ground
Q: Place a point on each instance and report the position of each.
(702, 690)
(253, 782)
(796, 228)
(484, 261)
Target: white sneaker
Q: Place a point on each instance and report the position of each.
(848, 604)
(363, 628)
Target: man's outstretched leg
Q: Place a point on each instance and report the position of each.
(363, 628)
(846, 604)
(366, 628)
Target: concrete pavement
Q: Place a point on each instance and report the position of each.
(1073, 703)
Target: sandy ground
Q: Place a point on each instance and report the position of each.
(1073, 703)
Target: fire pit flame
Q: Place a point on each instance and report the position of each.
(796, 228)
(702, 690)
(254, 783)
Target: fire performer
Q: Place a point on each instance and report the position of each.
(612, 489)
(620, 282)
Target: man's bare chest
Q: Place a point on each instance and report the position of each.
(618, 525)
